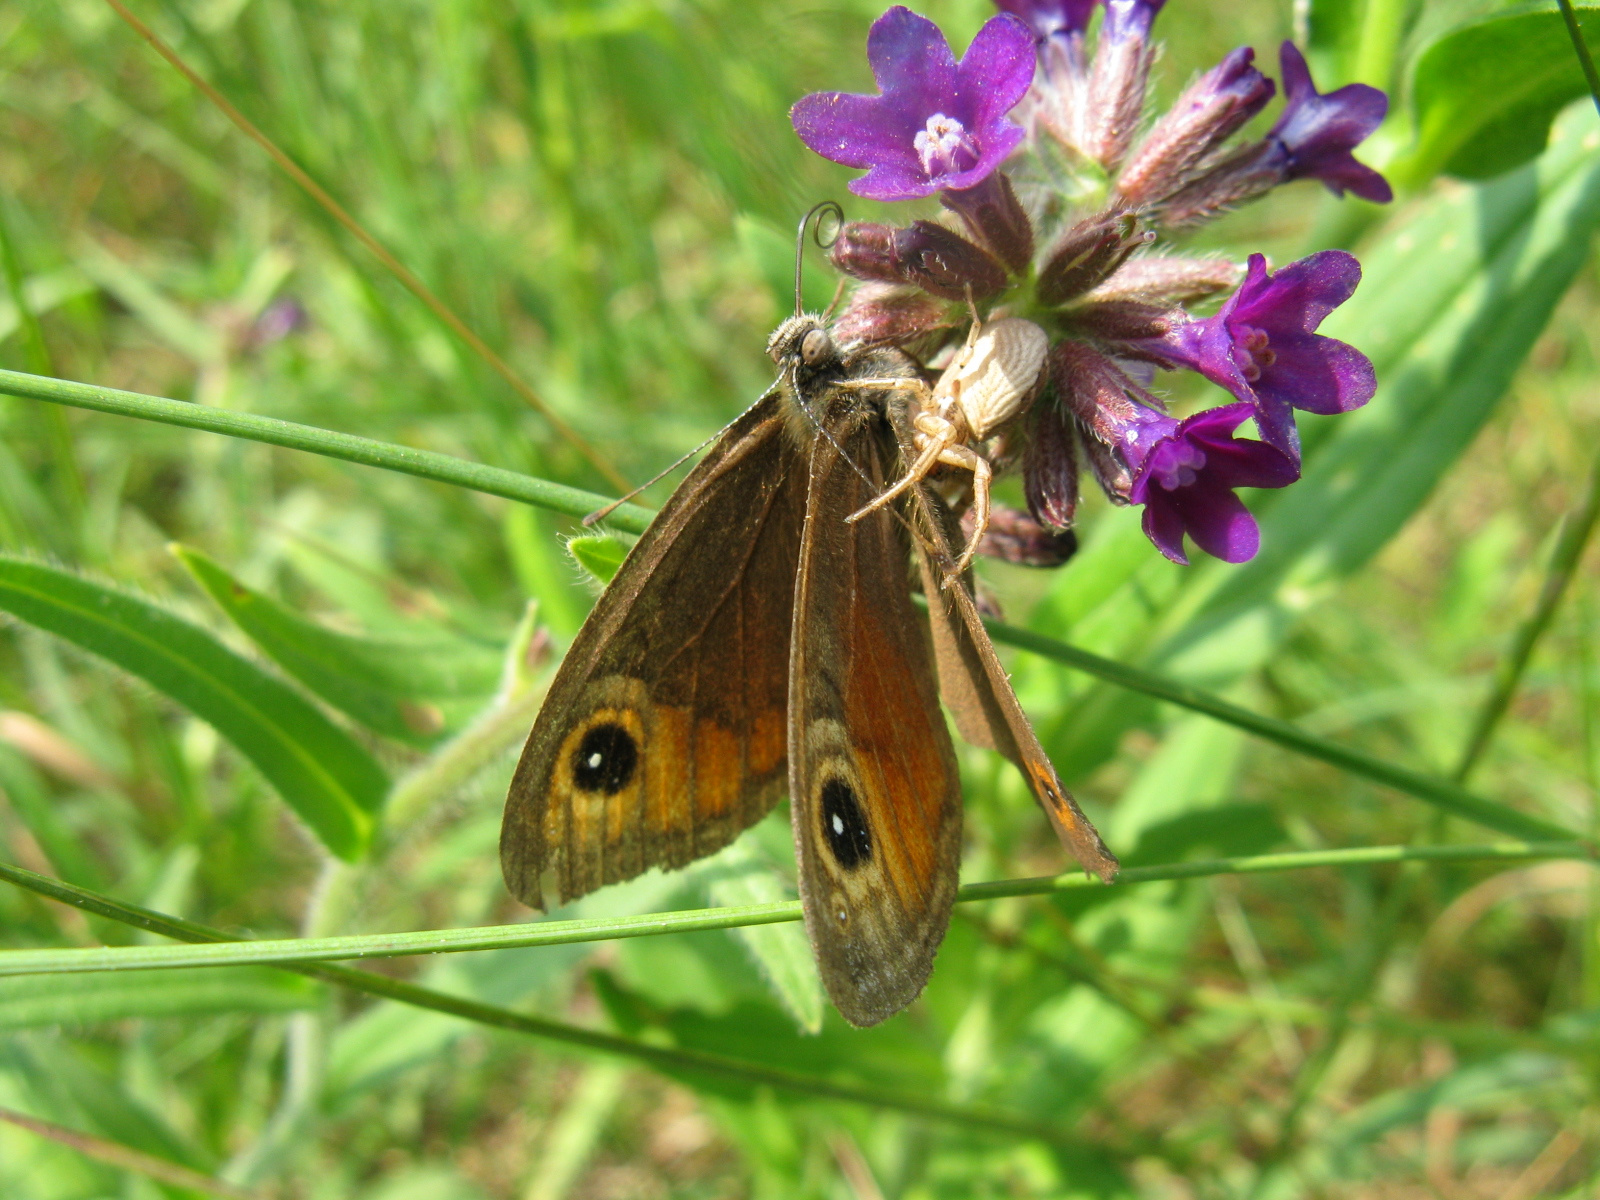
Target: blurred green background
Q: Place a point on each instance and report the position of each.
(606, 193)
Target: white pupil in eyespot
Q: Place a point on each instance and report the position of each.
(595, 760)
(838, 825)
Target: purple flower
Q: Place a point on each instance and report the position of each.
(1184, 473)
(1129, 18)
(1262, 345)
(1051, 18)
(1316, 132)
(938, 124)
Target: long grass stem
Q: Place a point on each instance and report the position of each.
(673, 1060)
(301, 951)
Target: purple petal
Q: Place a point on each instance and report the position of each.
(1297, 85)
(1342, 173)
(1318, 374)
(857, 131)
(1318, 132)
(1218, 522)
(1298, 296)
(995, 73)
(1275, 420)
(1164, 527)
(1051, 17)
(1239, 462)
(911, 62)
(895, 181)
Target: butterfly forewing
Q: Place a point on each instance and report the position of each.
(662, 736)
(873, 777)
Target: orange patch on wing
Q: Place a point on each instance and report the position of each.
(897, 750)
(718, 770)
(666, 771)
(769, 743)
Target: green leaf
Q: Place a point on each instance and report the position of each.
(599, 554)
(388, 686)
(319, 770)
(1485, 93)
(30, 1001)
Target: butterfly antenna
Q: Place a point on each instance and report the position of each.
(817, 212)
(600, 514)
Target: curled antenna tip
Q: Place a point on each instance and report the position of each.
(817, 213)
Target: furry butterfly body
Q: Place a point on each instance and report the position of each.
(756, 641)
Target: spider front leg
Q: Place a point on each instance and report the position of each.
(982, 477)
(935, 439)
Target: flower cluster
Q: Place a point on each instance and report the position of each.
(1065, 236)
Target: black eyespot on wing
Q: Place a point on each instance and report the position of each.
(844, 825)
(606, 759)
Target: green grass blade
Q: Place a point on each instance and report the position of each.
(320, 771)
(293, 951)
(385, 685)
(426, 464)
(665, 1058)
(30, 1002)
(1446, 795)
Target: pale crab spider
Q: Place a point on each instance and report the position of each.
(989, 383)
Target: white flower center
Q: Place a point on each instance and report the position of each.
(943, 146)
(1251, 354)
(1181, 468)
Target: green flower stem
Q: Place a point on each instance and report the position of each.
(666, 1058)
(300, 951)
(632, 518)
(1447, 795)
(426, 464)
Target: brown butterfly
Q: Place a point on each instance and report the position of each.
(756, 640)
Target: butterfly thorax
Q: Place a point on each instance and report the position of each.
(821, 382)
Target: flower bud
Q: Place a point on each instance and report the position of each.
(1088, 254)
(1108, 469)
(1096, 391)
(1167, 281)
(945, 264)
(1212, 109)
(995, 215)
(1050, 467)
(1115, 90)
(1014, 537)
(1121, 320)
(865, 249)
(1241, 175)
(890, 313)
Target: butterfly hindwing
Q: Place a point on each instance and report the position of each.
(663, 734)
(873, 777)
(974, 683)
